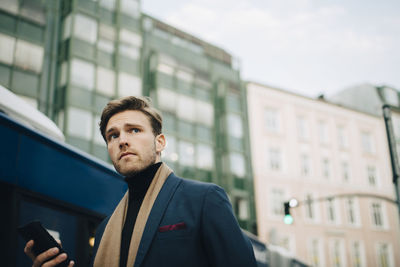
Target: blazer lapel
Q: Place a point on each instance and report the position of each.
(155, 216)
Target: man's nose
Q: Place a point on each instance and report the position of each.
(123, 140)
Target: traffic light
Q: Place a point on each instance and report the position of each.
(288, 218)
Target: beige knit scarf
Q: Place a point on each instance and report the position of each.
(108, 252)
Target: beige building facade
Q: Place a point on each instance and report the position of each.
(317, 152)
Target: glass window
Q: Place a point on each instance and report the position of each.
(170, 151)
(10, 6)
(204, 134)
(164, 68)
(67, 27)
(204, 113)
(7, 45)
(271, 120)
(130, 43)
(186, 108)
(310, 207)
(326, 169)
(243, 208)
(205, 156)
(235, 125)
(315, 252)
(372, 177)
(167, 99)
(130, 7)
(82, 73)
(275, 159)
(391, 96)
(377, 215)
(33, 10)
(331, 210)
(98, 138)
(105, 81)
(367, 144)
(85, 28)
(233, 101)
(29, 56)
(323, 132)
(357, 254)
(302, 128)
(106, 38)
(237, 164)
(278, 198)
(352, 211)
(79, 123)
(107, 4)
(345, 171)
(186, 153)
(338, 253)
(185, 76)
(384, 255)
(305, 165)
(129, 85)
(342, 137)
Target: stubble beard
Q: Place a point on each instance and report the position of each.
(141, 163)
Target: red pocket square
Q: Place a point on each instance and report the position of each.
(172, 227)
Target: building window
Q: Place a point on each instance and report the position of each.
(79, 123)
(323, 132)
(345, 171)
(29, 56)
(372, 176)
(205, 157)
(315, 253)
(237, 164)
(7, 46)
(167, 99)
(166, 69)
(85, 28)
(278, 198)
(184, 76)
(235, 125)
(107, 38)
(170, 151)
(309, 206)
(186, 153)
(242, 208)
(384, 255)
(338, 253)
(367, 143)
(377, 215)
(357, 254)
(391, 96)
(325, 168)
(105, 81)
(82, 74)
(131, 8)
(352, 211)
(275, 159)
(305, 165)
(129, 85)
(331, 211)
(342, 138)
(130, 43)
(186, 108)
(98, 138)
(302, 128)
(271, 120)
(107, 4)
(205, 113)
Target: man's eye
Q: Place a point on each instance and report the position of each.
(135, 130)
(112, 136)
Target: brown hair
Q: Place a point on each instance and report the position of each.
(142, 104)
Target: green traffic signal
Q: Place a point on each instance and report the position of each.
(288, 218)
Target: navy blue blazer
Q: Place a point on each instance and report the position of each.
(191, 224)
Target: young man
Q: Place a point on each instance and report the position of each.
(162, 220)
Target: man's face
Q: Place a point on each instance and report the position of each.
(131, 143)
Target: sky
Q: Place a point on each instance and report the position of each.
(310, 47)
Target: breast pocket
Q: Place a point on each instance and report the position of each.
(177, 230)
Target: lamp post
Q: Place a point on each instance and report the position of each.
(387, 115)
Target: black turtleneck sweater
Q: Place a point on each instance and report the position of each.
(138, 185)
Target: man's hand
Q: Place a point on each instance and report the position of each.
(41, 259)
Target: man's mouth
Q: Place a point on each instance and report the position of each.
(126, 154)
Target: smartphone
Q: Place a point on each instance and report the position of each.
(43, 240)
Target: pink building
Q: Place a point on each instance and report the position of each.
(309, 149)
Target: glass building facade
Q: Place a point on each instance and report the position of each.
(70, 57)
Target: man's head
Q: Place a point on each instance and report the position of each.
(132, 130)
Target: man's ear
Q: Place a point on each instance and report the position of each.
(160, 143)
